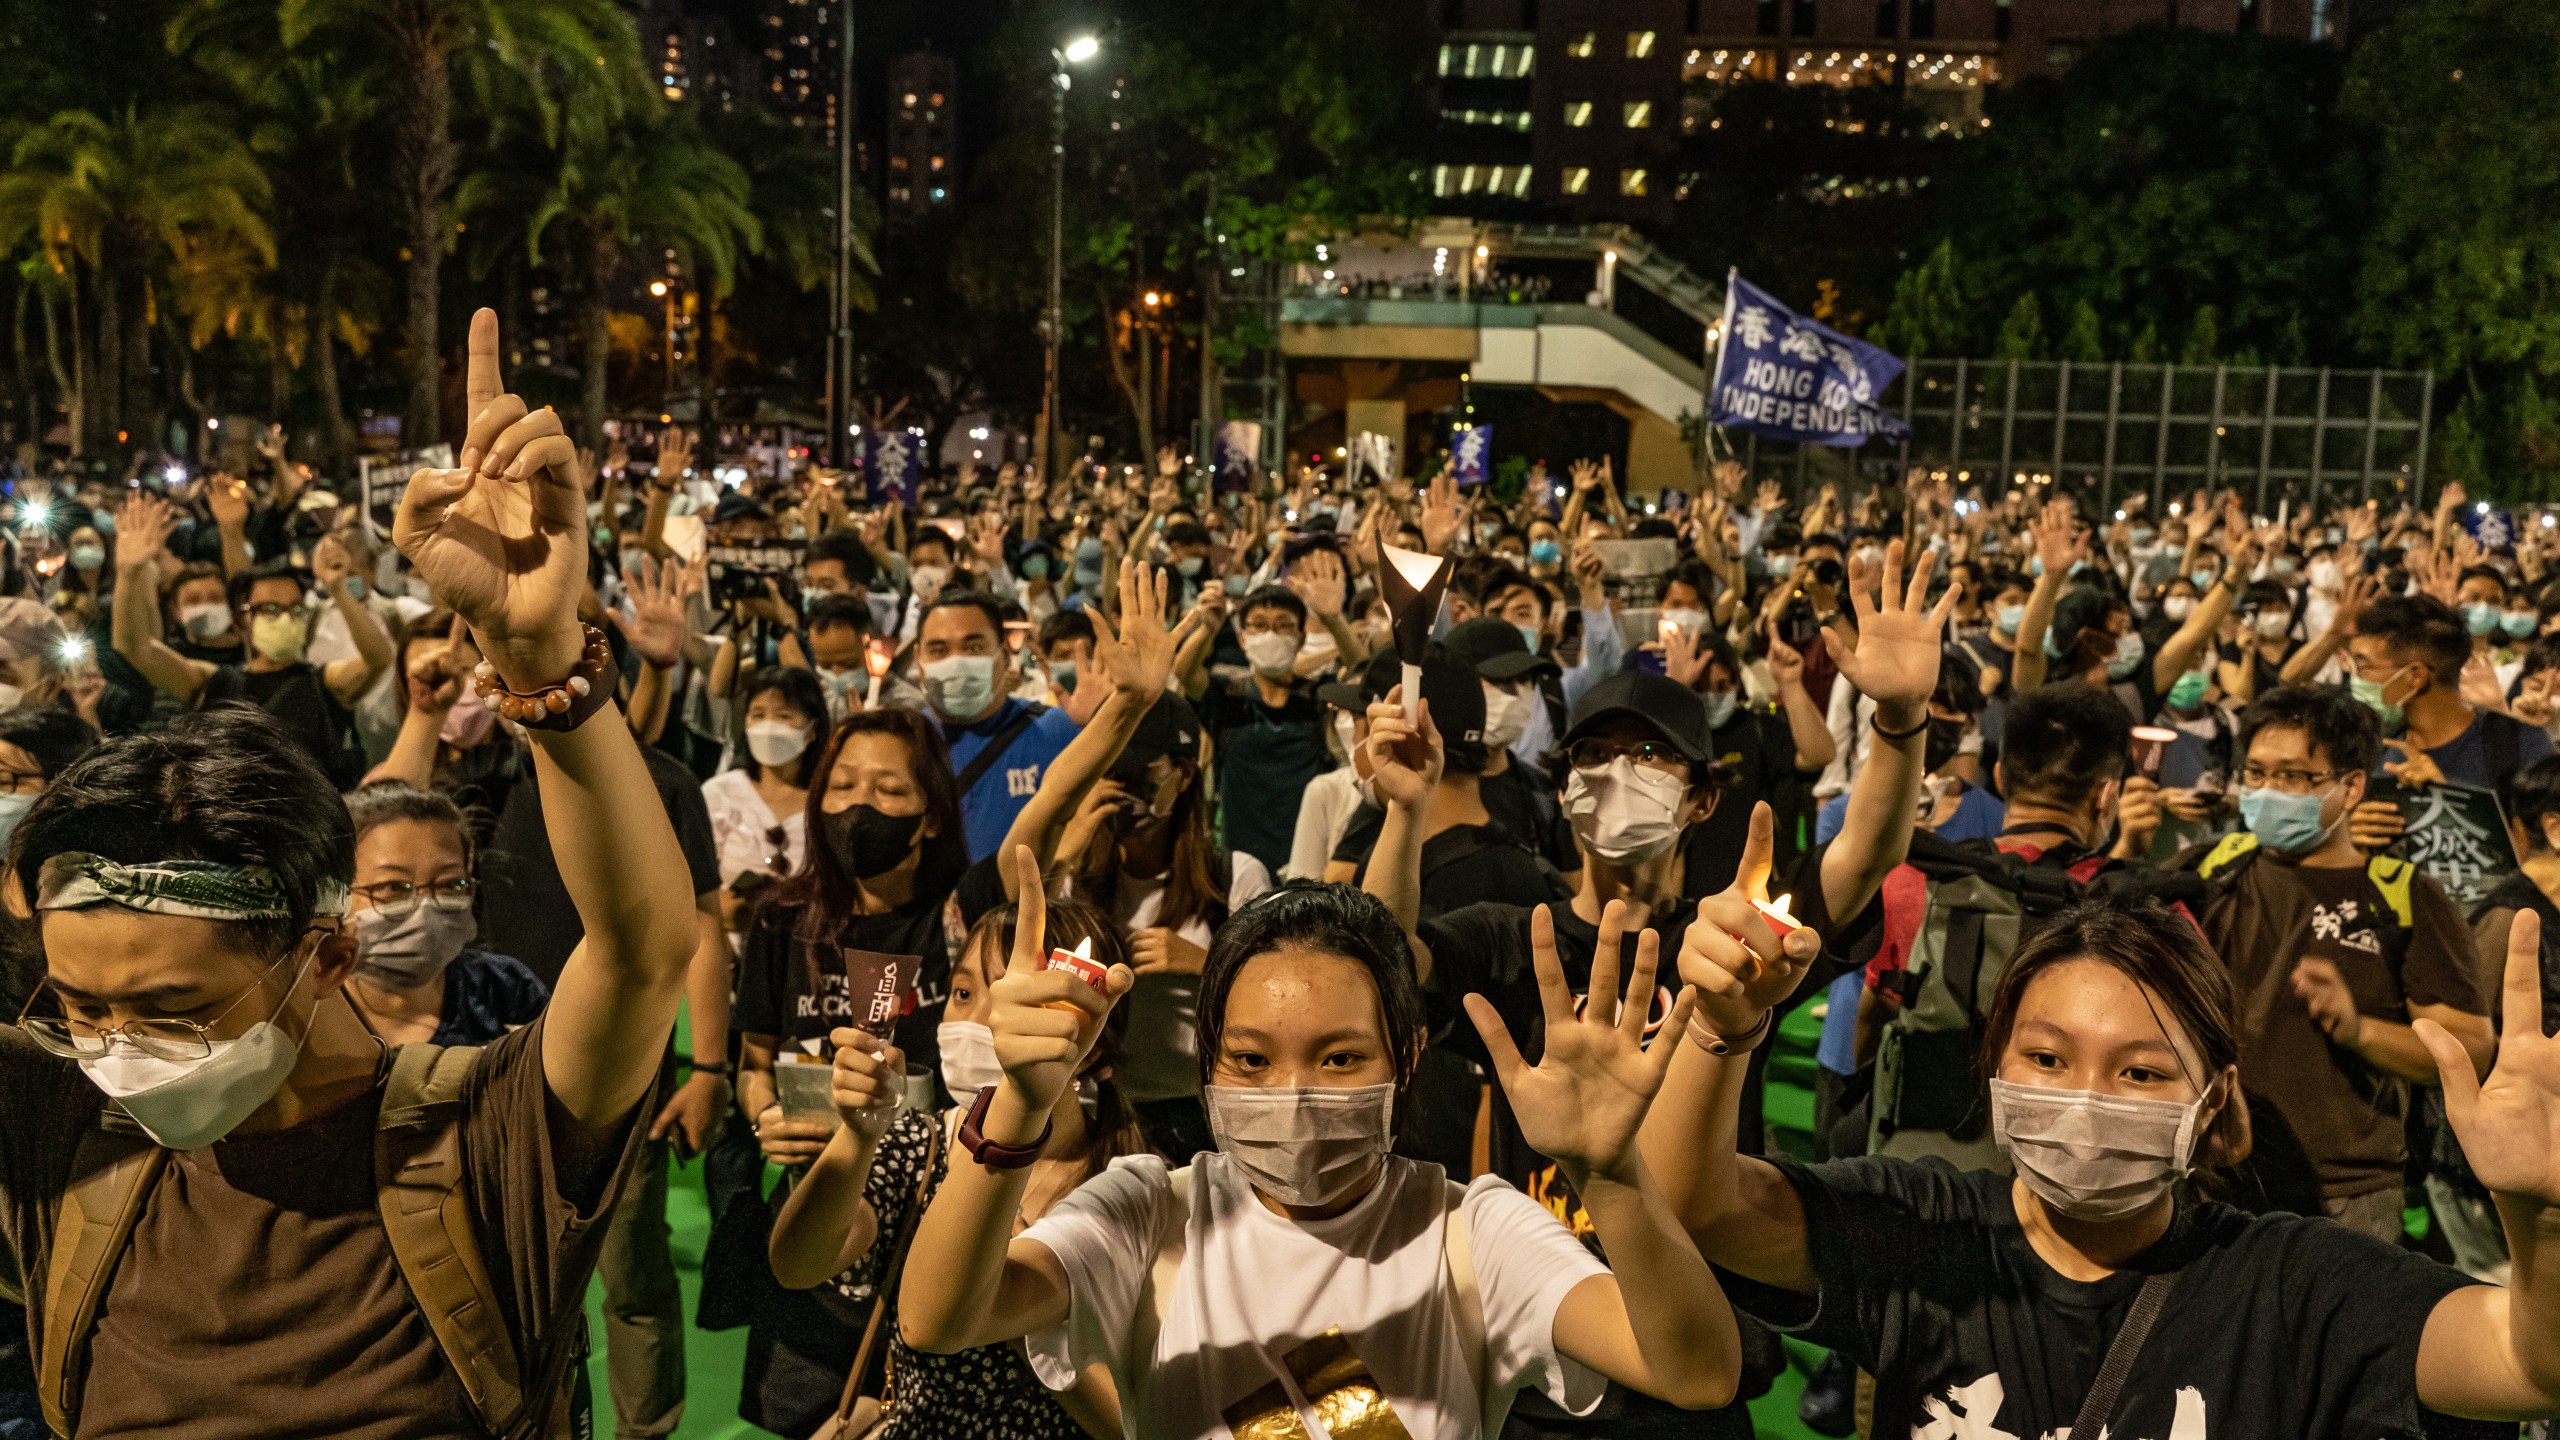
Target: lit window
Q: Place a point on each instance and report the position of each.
(1581, 46)
(1639, 44)
(1475, 60)
(1631, 182)
(1577, 113)
(1528, 61)
(1520, 183)
(1444, 58)
(1577, 179)
(1439, 179)
(937, 162)
(1639, 114)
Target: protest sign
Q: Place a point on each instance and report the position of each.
(1471, 454)
(1783, 377)
(1239, 456)
(2457, 835)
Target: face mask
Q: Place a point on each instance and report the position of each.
(1302, 1145)
(927, 580)
(2282, 822)
(406, 953)
(188, 1104)
(2177, 607)
(2204, 578)
(2142, 535)
(961, 686)
(205, 624)
(2009, 617)
(1506, 715)
(2128, 655)
(1865, 555)
(774, 743)
(1531, 636)
(1546, 552)
(88, 557)
(13, 808)
(2281, 567)
(839, 685)
(1035, 567)
(2520, 623)
(2092, 1156)
(1627, 813)
(1270, 652)
(2272, 624)
(1720, 706)
(1692, 623)
(1063, 674)
(1485, 533)
(867, 843)
(2188, 693)
(277, 638)
(1188, 566)
(2174, 551)
(1945, 743)
(467, 724)
(1780, 565)
(2324, 574)
(968, 1056)
(2369, 694)
(1345, 736)
(2481, 619)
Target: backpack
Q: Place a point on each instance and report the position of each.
(2392, 880)
(419, 1186)
(1975, 905)
(1456, 1250)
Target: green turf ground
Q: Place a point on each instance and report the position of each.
(713, 1360)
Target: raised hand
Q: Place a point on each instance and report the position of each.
(1685, 656)
(1440, 518)
(503, 538)
(1585, 474)
(1405, 754)
(1045, 1021)
(330, 563)
(658, 593)
(1786, 663)
(436, 673)
(1585, 1099)
(675, 456)
(2509, 1124)
(2057, 541)
(869, 1084)
(1892, 655)
(1139, 655)
(1731, 955)
(227, 495)
(1159, 951)
(143, 523)
(1317, 579)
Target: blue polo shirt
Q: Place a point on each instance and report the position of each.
(989, 807)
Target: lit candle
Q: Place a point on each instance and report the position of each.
(1412, 583)
(875, 658)
(1080, 963)
(1775, 912)
(2149, 741)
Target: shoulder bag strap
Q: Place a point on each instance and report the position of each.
(2120, 1355)
(889, 1279)
(111, 1179)
(993, 751)
(1457, 1247)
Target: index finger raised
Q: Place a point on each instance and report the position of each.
(480, 382)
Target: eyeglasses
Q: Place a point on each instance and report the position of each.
(21, 782)
(269, 609)
(395, 898)
(164, 1037)
(2297, 782)
(1596, 754)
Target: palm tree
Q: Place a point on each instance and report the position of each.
(542, 52)
(115, 205)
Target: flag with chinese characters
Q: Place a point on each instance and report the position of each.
(2494, 529)
(1239, 455)
(1782, 376)
(892, 465)
(1471, 454)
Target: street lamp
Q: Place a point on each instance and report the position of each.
(1075, 52)
(660, 289)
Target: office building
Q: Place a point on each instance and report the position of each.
(921, 143)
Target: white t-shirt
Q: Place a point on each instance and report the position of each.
(742, 824)
(1268, 1309)
(1324, 813)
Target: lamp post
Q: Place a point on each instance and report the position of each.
(667, 342)
(1074, 52)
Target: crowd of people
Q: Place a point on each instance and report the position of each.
(1135, 957)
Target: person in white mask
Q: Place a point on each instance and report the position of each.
(1300, 1268)
(999, 745)
(1517, 795)
(849, 1217)
(2112, 1054)
(759, 820)
(417, 975)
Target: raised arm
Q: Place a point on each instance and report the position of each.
(142, 533)
(2178, 653)
(1806, 724)
(1318, 580)
(349, 678)
(503, 540)
(2357, 593)
(2057, 547)
(227, 495)
(1893, 659)
(968, 1282)
(827, 1225)
(1404, 759)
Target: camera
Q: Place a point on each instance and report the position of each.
(738, 570)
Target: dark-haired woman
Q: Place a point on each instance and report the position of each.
(849, 1217)
(887, 857)
(417, 976)
(757, 818)
(1992, 1302)
(1301, 1269)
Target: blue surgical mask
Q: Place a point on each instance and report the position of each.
(2128, 655)
(2008, 618)
(2174, 550)
(2142, 535)
(2204, 578)
(1035, 567)
(1530, 636)
(1188, 565)
(2481, 619)
(1546, 552)
(2520, 623)
(2282, 822)
(2369, 693)
(1779, 565)
(1720, 707)
(13, 808)
(1064, 673)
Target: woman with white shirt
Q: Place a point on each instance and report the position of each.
(758, 810)
(1301, 1270)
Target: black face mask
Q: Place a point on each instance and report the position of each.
(1945, 736)
(867, 843)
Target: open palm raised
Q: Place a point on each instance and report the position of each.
(1893, 654)
(502, 539)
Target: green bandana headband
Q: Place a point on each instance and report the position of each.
(198, 889)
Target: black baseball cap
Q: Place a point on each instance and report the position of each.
(2082, 607)
(1456, 696)
(1494, 650)
(1669, 707)
(1170, 727)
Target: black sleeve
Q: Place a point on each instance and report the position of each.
(1812, 908)
(1874, 1227)
(1777, 749)
(1480, 950)
(2358, 1309)
(980, 889)
(518, 992)
(692, 819)
(761, 1003)
(1361, 835)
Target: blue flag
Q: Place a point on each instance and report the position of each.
(2494, 529)
(1784, 377)
(892, 461)
(1471, 454)
(1239, 455)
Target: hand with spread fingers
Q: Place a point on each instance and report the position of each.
(1892, 655)
(503, 537)
(1137, 655)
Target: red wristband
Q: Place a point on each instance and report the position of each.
(991, 1154)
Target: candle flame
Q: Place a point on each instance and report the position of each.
(1416, 567)
(1084, 948)
(1777, 910)
(876, 658)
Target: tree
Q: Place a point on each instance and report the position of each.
(1928, 315)
(2082, 341)
(113, 204)
(2021, 335)
(2461, 272)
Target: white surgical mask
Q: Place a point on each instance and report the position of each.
(1302, 1145)
(188, 1104)
(1626, 813)
(1506, 715)
(2177, 606)
(961, 686)
(2272, 624)
(774, 743)
(1692, 623)
(1720, 706)
(1270, 652)
(1345, 735)
(968, 1057)
(205, 624)
(2324, 574)
(2093, 1156)
(406, 953)
(927, 580)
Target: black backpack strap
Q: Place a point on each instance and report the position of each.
(998, 743)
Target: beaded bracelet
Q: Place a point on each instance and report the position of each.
(557, 707)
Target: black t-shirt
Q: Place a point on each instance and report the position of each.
(1523, 804)
(298, 698)
(792, 985)
(528, 913)
(1760, 751)
(2279, 1325)
(1267, 757)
